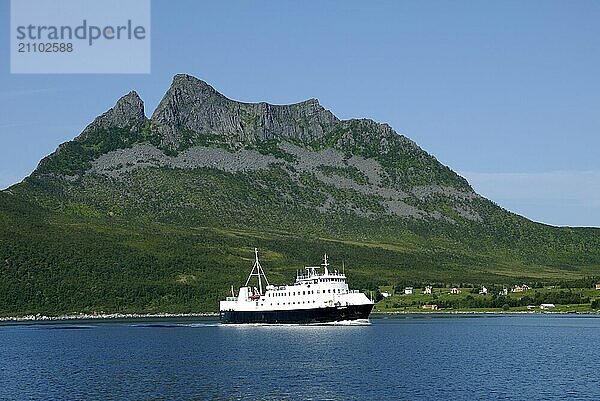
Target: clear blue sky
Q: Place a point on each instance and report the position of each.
(507, 93)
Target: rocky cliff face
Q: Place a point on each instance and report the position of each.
(127, 113)
(191, 105)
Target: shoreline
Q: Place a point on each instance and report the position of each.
(470, 312)
(375, 315)
(100, 316)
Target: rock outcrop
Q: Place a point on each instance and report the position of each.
(191, 105)
(128, 113)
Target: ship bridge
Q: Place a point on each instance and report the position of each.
(312, 275)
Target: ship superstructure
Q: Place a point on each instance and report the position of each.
(313, 298)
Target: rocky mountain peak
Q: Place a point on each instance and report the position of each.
(192, 107)
(128, 112)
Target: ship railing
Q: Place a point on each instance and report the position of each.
(353, 291)
(317, 276)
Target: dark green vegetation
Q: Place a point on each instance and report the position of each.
(144, 234)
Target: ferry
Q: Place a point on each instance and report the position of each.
(313, 298)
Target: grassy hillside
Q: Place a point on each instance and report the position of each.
(76, 257)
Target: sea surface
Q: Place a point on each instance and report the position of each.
(532, 357)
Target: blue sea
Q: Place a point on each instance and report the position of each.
(499, 357)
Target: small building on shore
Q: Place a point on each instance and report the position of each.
(483, 291)
(455, 291)
(432, 307)
(503, 291)
(547, 306)
(386, 294)
(409, 290)
(598, 286)
(428, 289)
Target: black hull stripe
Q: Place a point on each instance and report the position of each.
(316, 315)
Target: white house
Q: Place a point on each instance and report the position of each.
(547, 306)
(408, 290)
(483, 291)
(503, 291)
(386, 294)
(428, 289)
(520, 288)
(454, 291)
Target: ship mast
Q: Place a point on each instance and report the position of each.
(325, 264)
(257, 271)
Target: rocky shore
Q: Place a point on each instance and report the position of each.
(99, 316)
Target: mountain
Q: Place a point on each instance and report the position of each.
(161, 213)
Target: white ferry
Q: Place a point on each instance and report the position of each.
(313, 298)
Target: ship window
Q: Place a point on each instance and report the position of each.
(329, 291)
(318, 291)
(303, 292)
(277, 303)
(293, 293)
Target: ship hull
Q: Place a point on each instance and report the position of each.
(299, 316)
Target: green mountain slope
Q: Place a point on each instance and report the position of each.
(161, 213)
